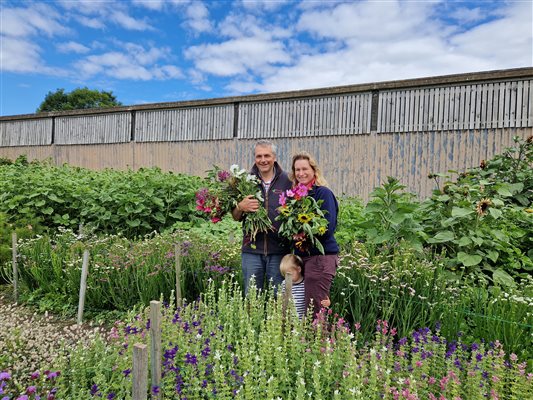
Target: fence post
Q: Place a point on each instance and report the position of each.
(177, 259)
(15, 269)
(155, 336)
(140, 371)
(83, 285)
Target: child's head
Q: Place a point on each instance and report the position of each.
(294, 265)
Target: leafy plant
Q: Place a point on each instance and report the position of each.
(390, 216)
(482, 221)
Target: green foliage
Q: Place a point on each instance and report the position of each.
(77, 99)
(410, 289)
(122, 273)
(349, 221)
(390, 216)
(24, 228)
(483, 220)
(133, 203)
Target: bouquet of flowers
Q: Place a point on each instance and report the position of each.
(301, 218)
(225, 190)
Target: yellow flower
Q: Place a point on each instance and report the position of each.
(303, 218)
(322, 230)
(285, 211)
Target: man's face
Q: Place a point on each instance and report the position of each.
(264, 159)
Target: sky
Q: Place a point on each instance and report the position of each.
(153, 51)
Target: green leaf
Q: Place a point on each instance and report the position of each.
(493, 255)
(461, 212)
(468, 260)
(133, 223)
(495, 212)
(441, 237)
(464, 241)
(503, 278)
(504, 191)
(47, 210)
(477, 240)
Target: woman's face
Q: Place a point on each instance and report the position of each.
(303, 172)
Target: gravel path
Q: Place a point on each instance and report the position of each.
(31, 341)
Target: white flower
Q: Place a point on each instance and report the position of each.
(233, 169)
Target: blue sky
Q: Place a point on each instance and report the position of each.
(150, 51)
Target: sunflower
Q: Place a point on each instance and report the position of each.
(304, 218)
(322, 230)
(482, 206)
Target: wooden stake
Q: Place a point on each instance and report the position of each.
(177, 258)
(15, 269)
(155, 351)
(140, 371)
(83, 285)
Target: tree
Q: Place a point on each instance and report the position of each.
(78, 99)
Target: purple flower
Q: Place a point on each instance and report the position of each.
(35, 375)
(126, 372)
(31, 390)
(5, 376)
(155, 390)
(94, 389)
(111, 396)
(52, 375)
(191, 359)
(223, 175)
(23, 397)
(206, 351)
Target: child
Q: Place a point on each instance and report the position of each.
(293, 264)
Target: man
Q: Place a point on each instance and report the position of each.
(261, 258)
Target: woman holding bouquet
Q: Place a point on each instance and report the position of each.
(320, 264)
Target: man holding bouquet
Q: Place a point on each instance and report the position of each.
(261, 257)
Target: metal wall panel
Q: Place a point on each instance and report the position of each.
(477, 106)
(353, 164)
(322, 116)
(92, 129)
(28, 132)
(198, 123)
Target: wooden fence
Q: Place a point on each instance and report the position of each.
(360, 134)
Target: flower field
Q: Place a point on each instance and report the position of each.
(433, 299)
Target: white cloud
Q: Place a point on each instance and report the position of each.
(467, 15)
(367, 42)
(72, 47)
(40, 19)
(128, 22)
(19, 55)
(266, 5)
(94, 23)
(197, 17)
(156, 5)
(368, 20)
(237, 56)
(238, 25)
(503, 42)
(134, 63)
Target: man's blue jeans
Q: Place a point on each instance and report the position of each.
(261, 267)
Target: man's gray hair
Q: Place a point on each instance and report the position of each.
(265, 143)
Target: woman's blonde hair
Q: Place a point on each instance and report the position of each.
(290, 261)
(303, 155)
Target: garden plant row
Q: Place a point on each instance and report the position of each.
(459, 262)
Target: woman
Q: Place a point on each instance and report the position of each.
(319, 268)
